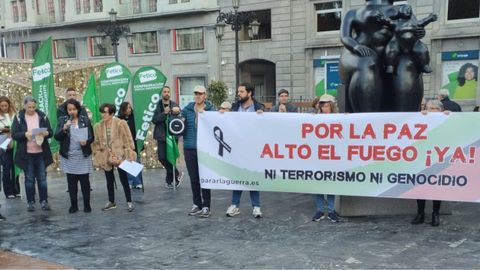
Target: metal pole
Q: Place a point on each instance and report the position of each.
(115, 51)
(237, 68)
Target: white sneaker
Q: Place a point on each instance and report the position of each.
(232, 210)
(130, 206)
(256, 212)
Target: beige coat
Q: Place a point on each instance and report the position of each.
(122, 145)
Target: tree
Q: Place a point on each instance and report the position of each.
(217, 92)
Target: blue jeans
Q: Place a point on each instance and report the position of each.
(134, 181)
(320, 199)
(254, 198)
(35, 171)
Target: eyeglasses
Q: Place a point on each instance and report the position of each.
(198, 93)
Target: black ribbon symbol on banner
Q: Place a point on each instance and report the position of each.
(218, 133)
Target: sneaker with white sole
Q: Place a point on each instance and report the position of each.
(45, 206)
(319, 215)
(130, 206)
(195, 211)
(256, 212)
(232, 211)
(109, 206)
(333, 217)
(179, 179)
(205, 212)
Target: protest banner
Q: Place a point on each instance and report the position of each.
(114, 81)
(392, 155)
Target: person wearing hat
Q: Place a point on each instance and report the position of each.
(283, 104)
(33, 153)
(201, 196)
(225, 106)
(326, 105)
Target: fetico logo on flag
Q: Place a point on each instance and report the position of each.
(41, 72)
(114, 71)
(147, 76)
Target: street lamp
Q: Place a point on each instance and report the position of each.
(236, 20)
(115, 32)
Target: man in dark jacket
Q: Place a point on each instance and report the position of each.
(283, 104)
(448, 105)
(165, 109)
(70, 93)
(246, 103)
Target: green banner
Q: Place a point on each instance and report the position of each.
(114, 80)
(146, 94)
(90, 99)
(42, 86)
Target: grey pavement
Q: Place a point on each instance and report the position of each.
(159, 234)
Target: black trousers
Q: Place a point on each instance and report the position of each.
(421, 206)
(198, 193)
(162, 157)
(73, 180)
(110, 176)
(11, 184)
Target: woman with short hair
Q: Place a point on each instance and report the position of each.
(113, 144)
(33, 153)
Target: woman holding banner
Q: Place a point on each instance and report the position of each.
(76, 152)
(113, 144)
(432, 106)
(326, 105)
(11, 183)
(31, 129)
(126, 113)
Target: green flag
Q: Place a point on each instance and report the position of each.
(114, 81)
(17, 169)
(90, 99)
(147, 85)
(42, 86)
(172, 147)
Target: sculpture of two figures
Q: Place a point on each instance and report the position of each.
(383, 60)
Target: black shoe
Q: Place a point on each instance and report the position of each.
(419, 219)
(2, 218)
(435, 219)
(73, 209)
(87, 209)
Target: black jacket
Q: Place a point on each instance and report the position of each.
(289, 106)
(19, 127)
(63, 137)
(450, 105)
(159, 117)
(256, 105)
(62, 111)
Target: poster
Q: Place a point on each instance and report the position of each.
(460, 74)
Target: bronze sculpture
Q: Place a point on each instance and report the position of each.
(383, 60)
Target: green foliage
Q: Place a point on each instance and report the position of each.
(217, 93)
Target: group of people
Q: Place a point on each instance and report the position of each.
(111, 141)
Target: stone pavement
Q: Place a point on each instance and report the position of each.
(159, 234)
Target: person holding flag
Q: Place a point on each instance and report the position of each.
(165, 109)
(201, 196)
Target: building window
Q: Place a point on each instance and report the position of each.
(189, 39)
(61, 4)
(185, 1)
(172, 1)
(15, 11)
(23, 11)
(51, 11)
(37, 6)
(64, 48)
(86, 6)
(137, 7)
(152, 5)
(400, 2)
(100, 46)
(98, 6)
(144, 43)
(329, 16)
(185, 86)
(28, 49)
(264, 17)
(463, 9)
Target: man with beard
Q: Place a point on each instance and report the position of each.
(70, 93)
(165, 109)
(246, 103)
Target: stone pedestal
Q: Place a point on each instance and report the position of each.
(366, 206)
